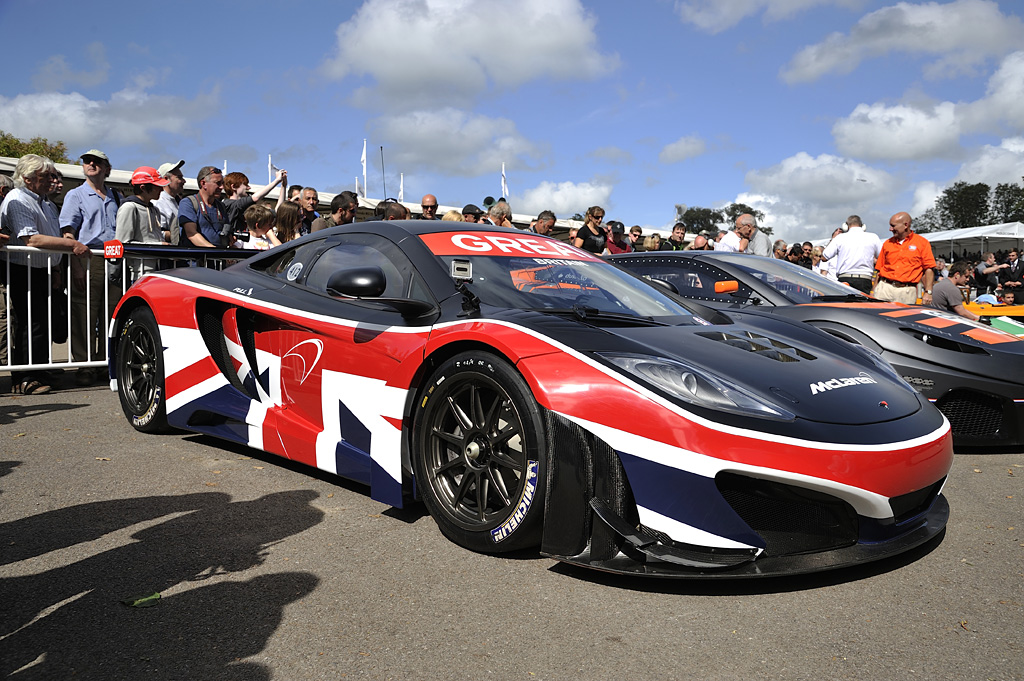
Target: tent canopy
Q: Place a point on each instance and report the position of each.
(976, 239)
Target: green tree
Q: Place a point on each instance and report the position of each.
(734, 210)
(963, 205)
(697, 218)
(13, 147)
(1006, 203)
(928, 221)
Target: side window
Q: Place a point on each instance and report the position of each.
(289, 265)
(351, 251)
(693, 279)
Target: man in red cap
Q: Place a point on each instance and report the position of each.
(138, 220)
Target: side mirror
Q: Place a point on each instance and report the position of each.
(667, 285)
(727, 286)
(361, 282)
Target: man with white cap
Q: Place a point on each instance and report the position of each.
(167, 204)
(89, 214)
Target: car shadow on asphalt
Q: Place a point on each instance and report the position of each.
(732, 586)
(63, 615)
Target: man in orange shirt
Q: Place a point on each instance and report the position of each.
(904, 261)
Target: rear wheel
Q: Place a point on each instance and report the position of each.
(479, 454)
(140, 372)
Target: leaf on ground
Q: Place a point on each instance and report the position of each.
(963, 624)
(142, 601)
(20, 435)
(103, 458)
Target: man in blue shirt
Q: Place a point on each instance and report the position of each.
(89, 215)
(203, 221)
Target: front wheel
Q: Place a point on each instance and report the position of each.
(140, 372)
(479, 454)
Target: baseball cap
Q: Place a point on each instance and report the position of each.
(148, 175)
(471, 209)
(165, 168)
(97, 153)
(617, 227)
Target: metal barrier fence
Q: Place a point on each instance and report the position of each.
(81, 294)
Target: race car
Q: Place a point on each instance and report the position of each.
(533, 395)
(972, 372)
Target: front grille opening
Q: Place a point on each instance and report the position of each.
(974, 414)
(913, 504)
(759, 345)
(944, 343)
(791, 520)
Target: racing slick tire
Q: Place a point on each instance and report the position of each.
(479, 455)
(140, 372)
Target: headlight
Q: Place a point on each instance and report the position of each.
(697, 386)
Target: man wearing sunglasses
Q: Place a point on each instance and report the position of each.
(89, 214)
(429, 206)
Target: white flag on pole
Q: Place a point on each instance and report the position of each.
(401, 187)
(357, 188)
(224, 170)
(504, 185)
(363, 161)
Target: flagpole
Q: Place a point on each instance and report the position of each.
(363, 161)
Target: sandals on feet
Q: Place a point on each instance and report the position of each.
(30, 388)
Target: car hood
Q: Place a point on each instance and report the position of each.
(924, 320)
(809, 373)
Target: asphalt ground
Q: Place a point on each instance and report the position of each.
(268, 570)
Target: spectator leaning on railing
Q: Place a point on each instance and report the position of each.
(27, 223)
(89, 215)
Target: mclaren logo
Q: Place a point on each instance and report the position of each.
(835, 383)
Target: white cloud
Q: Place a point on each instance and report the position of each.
(714, 16)
(453, 142)
(963, 34)
(925, 194)
(805, 197)
(824, 180)
(995, 164)
(682, 149)
(900, 132)
(1002, 107)
(564, 198)
(55, 73)
(447, 52)
(913, 132)
(130, 116)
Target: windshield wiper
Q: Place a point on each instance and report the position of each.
(585, 313)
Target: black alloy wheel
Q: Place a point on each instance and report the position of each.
(479, 459)
(140, 372)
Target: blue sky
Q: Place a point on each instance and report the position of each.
(809, 110)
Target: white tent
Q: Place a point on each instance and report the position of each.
(952, 243)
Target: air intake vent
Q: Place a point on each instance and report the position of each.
(973, 414)
(945, 343)
(759, 345)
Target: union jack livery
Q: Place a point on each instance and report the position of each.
(532, 395)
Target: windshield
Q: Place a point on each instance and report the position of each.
(536, 273)
(798, 284)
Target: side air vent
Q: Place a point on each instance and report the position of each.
(944, 343)
(759, 345)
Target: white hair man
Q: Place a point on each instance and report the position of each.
(29, 222)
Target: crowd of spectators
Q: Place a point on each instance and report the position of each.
(226, 213)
